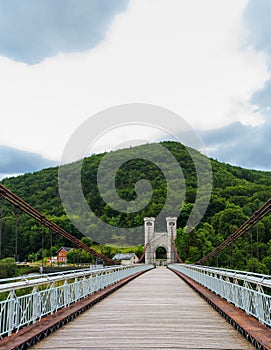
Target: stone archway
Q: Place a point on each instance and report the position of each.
(153, 240)
(161, 256)
(161, 253)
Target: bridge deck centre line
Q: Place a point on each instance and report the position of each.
(155, 311)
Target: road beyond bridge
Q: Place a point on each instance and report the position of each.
(157, 310)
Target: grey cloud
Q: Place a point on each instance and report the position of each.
(31, 30)
(238, 144)
(257, 18)
(14, 161)
(263, 97)
(241, 145)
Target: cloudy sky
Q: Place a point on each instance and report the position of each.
(63, 61)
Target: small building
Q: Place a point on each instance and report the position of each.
(126, 259)
(62, 255)
(52, 261)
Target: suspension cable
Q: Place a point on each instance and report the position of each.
(1, 212)
(257, 246)
(145, 248)
(264, 210)
(51, 243)
(175, 248)
(16, 213)
(25, 207)
(143, 254)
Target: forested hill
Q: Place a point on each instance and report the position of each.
(236, 194)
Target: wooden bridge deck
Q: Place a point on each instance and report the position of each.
(155, 311)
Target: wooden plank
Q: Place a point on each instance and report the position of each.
(249, 326)
(29, 335)
(155, 311)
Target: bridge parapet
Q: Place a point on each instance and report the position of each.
(30, 299)
(248, 291)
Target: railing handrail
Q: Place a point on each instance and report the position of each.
(18, 311)
(241, 288)
(35, 274)
(252, 277)
(54, 277)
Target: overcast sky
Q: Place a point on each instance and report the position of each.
(63, 61)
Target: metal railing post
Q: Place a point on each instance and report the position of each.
(243, 289)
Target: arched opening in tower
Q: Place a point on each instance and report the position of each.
(161, 253)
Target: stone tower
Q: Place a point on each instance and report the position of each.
(149, 236)
(153, 240)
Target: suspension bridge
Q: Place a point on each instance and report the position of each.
(140, 306)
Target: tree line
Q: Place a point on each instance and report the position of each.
(236, 194)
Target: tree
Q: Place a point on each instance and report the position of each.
(86, 240)
(228, 220)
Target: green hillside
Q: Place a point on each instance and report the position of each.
(236, 194)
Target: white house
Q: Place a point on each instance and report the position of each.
(126, 259)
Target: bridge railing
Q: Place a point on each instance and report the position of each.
(248, 291)
(27, 301)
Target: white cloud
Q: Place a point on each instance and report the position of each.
(125, 136)
(182, 55)
(5, 176)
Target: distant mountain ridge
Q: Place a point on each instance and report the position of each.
(234, 188)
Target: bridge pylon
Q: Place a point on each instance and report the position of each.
(154, 239)
(171, 232)
(149, 236)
